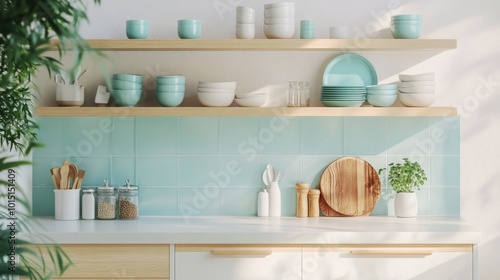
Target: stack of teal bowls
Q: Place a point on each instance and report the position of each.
(307, 28)
(127, 89)
(406, 26)
(170, 90)
(382, 95)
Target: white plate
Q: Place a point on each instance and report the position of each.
(417, 77)
(418, 83)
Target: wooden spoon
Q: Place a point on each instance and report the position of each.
(73, 175)
(64, 175)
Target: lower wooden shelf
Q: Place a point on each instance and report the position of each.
(367, 111)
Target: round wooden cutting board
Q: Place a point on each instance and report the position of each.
(350, 186)
(327, 210)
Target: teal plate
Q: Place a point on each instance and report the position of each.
(349, 70)
(343, 103)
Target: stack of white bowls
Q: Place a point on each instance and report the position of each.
(245, 22)
(218, 94)
(251, 99)
(279, 20)
(417, 90)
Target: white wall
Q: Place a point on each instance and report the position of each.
(468, 77)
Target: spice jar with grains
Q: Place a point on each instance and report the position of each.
(128, 202)
(106, 202)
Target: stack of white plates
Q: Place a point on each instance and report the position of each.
(279, 20)
(218, 94)
(417, 90)
(343, 96)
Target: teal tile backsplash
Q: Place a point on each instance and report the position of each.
(213, 165)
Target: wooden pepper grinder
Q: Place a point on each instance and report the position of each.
(302, 189)
(313, 196)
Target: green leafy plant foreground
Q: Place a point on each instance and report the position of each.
(26, 28)
(406, 177)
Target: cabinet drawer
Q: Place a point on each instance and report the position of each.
(117, 261)
(388, 262)
(235, 262)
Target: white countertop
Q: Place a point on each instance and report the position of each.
(258, 230)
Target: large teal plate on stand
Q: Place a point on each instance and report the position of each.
(349, 70)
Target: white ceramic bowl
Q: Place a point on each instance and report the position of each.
(416, 100)
(279, 5)
(417, 89)
(245, 31)
(415, 84)
(280, 12)
(279, 31)
(215, 90)
(418, 77)
(220, 85)
(245, 17)
(250, 95)
(244, 9)
(256, 101)
(272, 21)
(215, 99)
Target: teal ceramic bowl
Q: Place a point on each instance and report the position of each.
(406, 31)
(169, 99)
(170, 80)
(128, 77)
(377, 100)
(120, 84)
(171, 88)
(126, 97)
(189, 29)
(407, 17)
(382, 86)
(137, 29)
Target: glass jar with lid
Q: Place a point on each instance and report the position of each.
(106, 202)
(128, 201)
(88, 204)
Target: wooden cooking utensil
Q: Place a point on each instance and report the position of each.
(73, 175)
(79, 180)
(350, 186)
(56, 176)
(64, 175)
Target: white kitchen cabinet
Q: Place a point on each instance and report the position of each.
(388, 262)
(235, 262)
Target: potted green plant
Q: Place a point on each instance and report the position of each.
(26, 28)
(405, 178)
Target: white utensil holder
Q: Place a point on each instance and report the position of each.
(69, 95)
(67, 205)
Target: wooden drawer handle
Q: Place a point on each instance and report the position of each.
(386, 252)
(242, 252)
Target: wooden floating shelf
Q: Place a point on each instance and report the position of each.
(367, 111)
(270, 44)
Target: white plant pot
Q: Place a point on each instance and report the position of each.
(406, 205)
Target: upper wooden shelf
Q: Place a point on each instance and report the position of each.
(367, 111)
(271, 44)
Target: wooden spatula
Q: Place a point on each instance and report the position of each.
(79, 179)
(56, 176)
